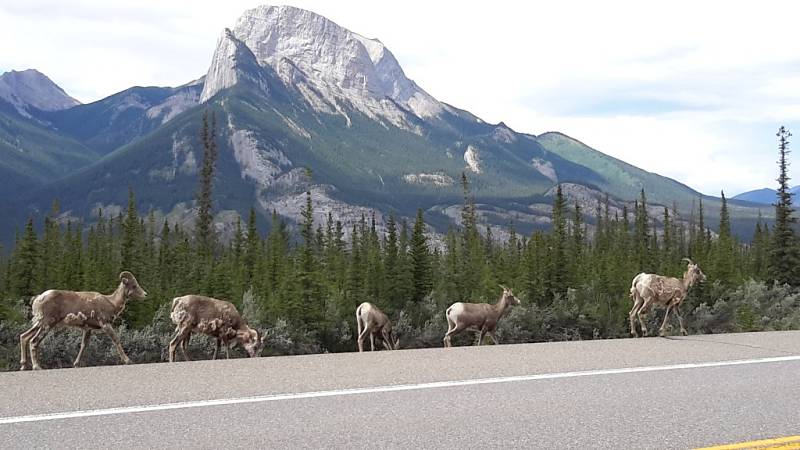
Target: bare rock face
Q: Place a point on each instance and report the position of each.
(325, 62)
(32, 89)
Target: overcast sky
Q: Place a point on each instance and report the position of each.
(691, 90)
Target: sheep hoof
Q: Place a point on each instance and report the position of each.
(662, 333)
(23, 367)
(683, 332)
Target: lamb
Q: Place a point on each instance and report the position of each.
(373, 321)
(85, 310)
(648, 290)
(216, 318)
(480, 317)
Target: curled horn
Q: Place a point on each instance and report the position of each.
(688, 261)
(125, 275)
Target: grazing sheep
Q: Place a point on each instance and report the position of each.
(216, 318)
(373, 321)
(648, 290)
(85, 310)
(480, 317)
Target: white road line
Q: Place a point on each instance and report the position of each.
(377, 389)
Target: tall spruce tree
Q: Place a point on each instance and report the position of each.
(784, 256)
(205, 215)
(725, 253)
(557, 267)
(420, 256)
(26, 258)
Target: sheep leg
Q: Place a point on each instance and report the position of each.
(451, 326)
(663, 330)
(216, 349)
(680, 318)
(84, 340)
(451, 332)
(185, 345)
(175, 342)
(361, 337)
(494, 338)
(35, 341)
(227, 351)
(360, 330)
(372, 341)
(109, 330)
(641, 314)
(481, 334)
(387, 341)
(637, 303)
(24, 346)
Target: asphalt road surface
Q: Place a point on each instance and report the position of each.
(681, 392)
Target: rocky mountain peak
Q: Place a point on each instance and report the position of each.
(341, 63)
(30, 88)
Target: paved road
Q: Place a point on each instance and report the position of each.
(649, 393)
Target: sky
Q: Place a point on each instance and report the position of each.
(690, 90)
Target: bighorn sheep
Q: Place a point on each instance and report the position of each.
(216, 318)
(373, 321)
(648, 290)
(480, 317)
(85, 310)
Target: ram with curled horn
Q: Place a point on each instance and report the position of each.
(649, 290)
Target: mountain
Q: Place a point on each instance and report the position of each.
(764, 196)
(30, 90)
(31, 152)
(303, 104)
(112, 122)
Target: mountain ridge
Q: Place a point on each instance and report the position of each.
(330, 121)
(30, 90)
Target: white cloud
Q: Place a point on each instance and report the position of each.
(691, 90)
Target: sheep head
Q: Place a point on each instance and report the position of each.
(693, 271)
(131, 286)
(387, 332)
(509, 296)
(249, 338)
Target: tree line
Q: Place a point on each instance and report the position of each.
(309, 277)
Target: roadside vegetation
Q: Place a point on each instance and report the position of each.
(302, 284)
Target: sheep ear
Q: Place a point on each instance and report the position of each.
(503, 287)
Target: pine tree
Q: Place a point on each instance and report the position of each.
(391, 266)
(204, 231)
(724, 255)
(309, 306)
(420, 261)
(26, 258)
(130, 236)
(784, 257)
(252, 247)
(472, 257)
(557, 277)
(642, 236)
(52, 249)
(576, 247)
(759, 250)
